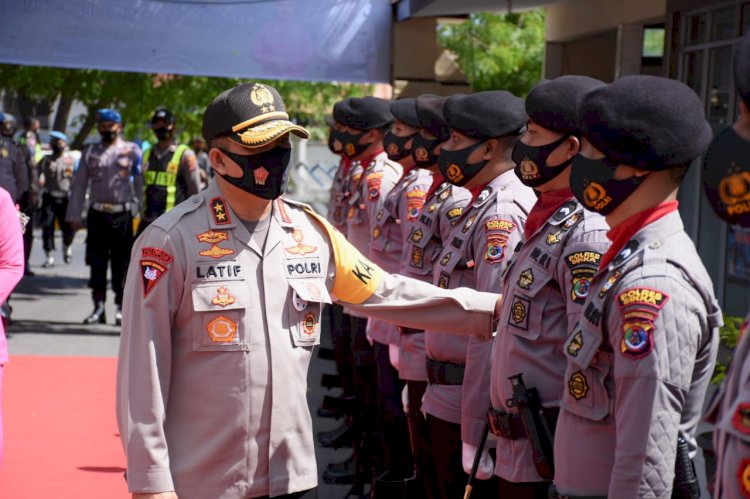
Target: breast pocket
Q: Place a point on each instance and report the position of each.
(586, 392)
(304, 308)
(219, 321)
(528, 298)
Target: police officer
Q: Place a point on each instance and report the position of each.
(31, 148)
(725, 168)
(113, 170)
(544, 287)
(55, 177)
(642, 354)
(170, 171)
(223, 311)
(424, 235)
(484, 128)
(13, 175)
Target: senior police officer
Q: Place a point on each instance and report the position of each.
(543, 289)
(223, 311)
(55, 177)
(725, 167)
(112, 168)
(484, 128)
(424, 236)
(643, 352)
(170, 171)
(13, 175)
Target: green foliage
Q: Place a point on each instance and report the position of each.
(728, 337)
(498, 52)
(653, 42)
(137, 95)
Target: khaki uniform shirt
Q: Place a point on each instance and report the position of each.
(114, 172)
(424, 237)
(639, 362)
(217, 336)
(544, 287)
(474, 255)
(730, 413)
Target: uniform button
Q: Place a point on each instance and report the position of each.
(503, 187)
(654, 245)
(196, 200)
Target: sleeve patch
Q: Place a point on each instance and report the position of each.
(583, 265)
(499, 224)
(414, 202)
(741, 418)
(743, 475)
(151, 272)
(651, 298)
(496, 245)
(150, 252)
(374, 181)
(637, 338)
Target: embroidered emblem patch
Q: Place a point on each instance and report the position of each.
(454, 213)
(526, 279)
(223, 297)
(374, 180)
(572, 220)
(469, 222)
(260, 175)
(642, 296)
(376, 232)
(216, 251)
(300, 248)
(578, 387)
(150, 252)
(553, 238)
(219, 211)
(519, 313)
(314, 290)
(583, 266)
(575, 344)
(446, 258)
(432, 208)
(611, 280)
(414, 203)
(444, 280)
(743, 476)
(417, 258)
(417, 235)
(222, 330)
(499, 224)
(379, 216)
(151, 272)
(445, 193)
(496, 244)
(741, 418)
(214, 237)
(637, 339)
(308, 324)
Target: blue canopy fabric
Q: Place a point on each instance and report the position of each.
(317, 40)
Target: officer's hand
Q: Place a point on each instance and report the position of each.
(486, 466)
(160, 495)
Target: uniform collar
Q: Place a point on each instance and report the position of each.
(547, 204)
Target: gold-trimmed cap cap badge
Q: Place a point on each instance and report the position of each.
(251, 114)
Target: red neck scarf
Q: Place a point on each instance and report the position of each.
(365, 162)
(437, 181)
(345, 165)
(547, 204)
(625, 230)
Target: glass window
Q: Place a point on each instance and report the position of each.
(695, 29)
(720, 86)
(722, 24)
(693, 72)
(653, 42)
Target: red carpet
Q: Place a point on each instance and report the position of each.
(61, 435)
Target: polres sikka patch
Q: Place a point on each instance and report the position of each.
(637, 338)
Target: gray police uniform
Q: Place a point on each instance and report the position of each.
(339, 193)
(211, 316)
(638, 364)
(14, 177)
(58, 177)
(544, 286)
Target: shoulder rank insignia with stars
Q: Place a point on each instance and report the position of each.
(219, 211)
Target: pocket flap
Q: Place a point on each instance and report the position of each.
(531, 279)
(220, 296)
(313, 290)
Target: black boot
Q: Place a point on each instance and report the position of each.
(340, 473)
(340, 436)
(97, 316)
(389, 486)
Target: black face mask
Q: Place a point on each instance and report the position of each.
(593, 184)
(531, 162)
(163, 133)
(265, 174)
(335, 144)
(57, 149)
(726, 178)
(454, 167)
(395, 146)
(352, 147)
(423, 151)
(108, 136)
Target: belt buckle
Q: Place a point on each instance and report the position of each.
(500, 424)
(107, 207)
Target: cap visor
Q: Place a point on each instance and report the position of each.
(265, 133)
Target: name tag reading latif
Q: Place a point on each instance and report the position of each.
(218, 271)
(304, 267)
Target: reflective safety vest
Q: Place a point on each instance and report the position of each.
(159, 179)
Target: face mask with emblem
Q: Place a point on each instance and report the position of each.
(531, 162)
(593, 184)
(335, 142)
(265, 174)
(352, 147)
(423, 151)
(726, 177)
(455, 167)
(395, 146)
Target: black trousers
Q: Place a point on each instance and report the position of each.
(342, 346)
(524, 490)
(446, 455)
(305, 494)
(53, 210)
(26, 204)
(419, 437)
(109, 241)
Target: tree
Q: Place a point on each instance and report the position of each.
(137, 95)
(498, 52)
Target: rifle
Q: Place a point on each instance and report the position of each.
(686, 484)
(535, 424)
(477, 459)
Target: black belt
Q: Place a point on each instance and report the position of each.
(554, 494)
(510, 426)
(408, 330)
(444, 373)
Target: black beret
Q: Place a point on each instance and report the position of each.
(163, 114)
(742, 68)
(646, 122)
(405, 111)
(429, 109)
(364, 113)
(553, 104)
(486, 115)
(331, 118)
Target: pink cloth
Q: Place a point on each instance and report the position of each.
(11, 258)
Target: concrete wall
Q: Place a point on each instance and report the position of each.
(577, 18)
